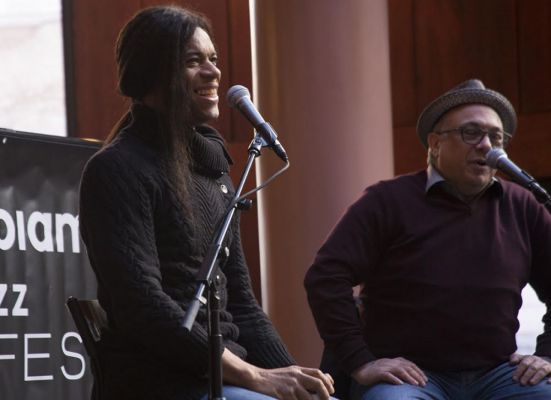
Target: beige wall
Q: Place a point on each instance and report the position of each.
(322, 78)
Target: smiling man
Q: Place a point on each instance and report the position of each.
(442, 255)
(150, 201)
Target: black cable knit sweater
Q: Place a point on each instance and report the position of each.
(146, 251)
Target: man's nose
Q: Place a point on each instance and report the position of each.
(485, 143)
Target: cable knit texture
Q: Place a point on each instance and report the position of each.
(146, 253)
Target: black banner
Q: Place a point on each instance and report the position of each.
(42, 262)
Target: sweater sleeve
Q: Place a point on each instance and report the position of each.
(540, 277)
(343, 261)
(257, 335)
(117, 203)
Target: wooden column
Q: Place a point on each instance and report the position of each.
(323, 81)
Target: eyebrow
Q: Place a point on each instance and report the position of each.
(478, 125)
(193, 53)
(199, 53)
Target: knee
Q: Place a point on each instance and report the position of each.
(384, 391)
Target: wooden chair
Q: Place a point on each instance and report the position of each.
(89, 319)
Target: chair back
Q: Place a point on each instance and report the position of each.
(89, 319)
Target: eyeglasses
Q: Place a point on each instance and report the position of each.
(473, 135)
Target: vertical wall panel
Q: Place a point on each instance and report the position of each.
(402, 58)
(437, 44)
(239, 70)
(94, 26)
(534, 55)
(461, 39)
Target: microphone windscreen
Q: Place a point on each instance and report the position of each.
(236, 93)
(493, 156)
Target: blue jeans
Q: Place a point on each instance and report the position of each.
(496, 384)
(239, 393)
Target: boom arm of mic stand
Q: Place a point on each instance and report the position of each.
(204, 277)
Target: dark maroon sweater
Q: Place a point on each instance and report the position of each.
(442, 279)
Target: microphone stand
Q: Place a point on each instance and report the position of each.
(207, 283)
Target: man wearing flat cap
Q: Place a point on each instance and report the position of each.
(442, 256)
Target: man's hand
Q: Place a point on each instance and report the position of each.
(293, 383)
(390, 370)
(289, 383)
(530, 369)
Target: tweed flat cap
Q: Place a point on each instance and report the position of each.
(472, 91)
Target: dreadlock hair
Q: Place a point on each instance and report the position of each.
(149, 54)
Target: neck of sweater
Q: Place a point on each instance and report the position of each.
(206, 146)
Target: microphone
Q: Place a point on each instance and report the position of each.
(497, 159)
(240, 98)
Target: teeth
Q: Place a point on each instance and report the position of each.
(207, 92)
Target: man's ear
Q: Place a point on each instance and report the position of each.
(433, 140)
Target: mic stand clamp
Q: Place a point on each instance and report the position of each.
(208, 281)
